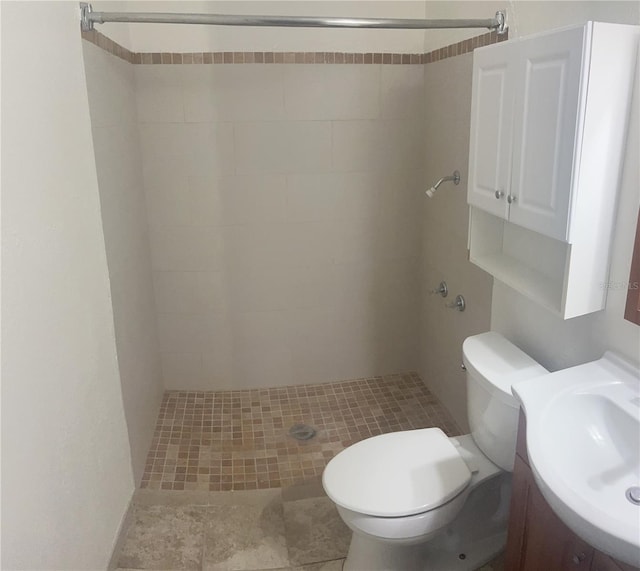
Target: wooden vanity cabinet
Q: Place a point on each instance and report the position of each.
(537, 538)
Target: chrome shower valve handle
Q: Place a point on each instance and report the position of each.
(458, 303)
(442, 289)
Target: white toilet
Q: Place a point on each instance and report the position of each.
(417, 500)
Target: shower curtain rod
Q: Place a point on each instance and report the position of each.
(89, 18)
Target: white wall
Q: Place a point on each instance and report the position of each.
(174, 38)
(283, 205)
(67, 475)
(112, 103)
(526, 17)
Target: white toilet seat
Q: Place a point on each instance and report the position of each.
(398, 474)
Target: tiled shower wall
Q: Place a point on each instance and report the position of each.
(284, 212)
(112, 104)
(445, 227)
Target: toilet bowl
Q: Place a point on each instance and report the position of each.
(418, 500)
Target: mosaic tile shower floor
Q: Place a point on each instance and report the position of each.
(239, 440)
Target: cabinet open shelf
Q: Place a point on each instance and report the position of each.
(533, 264)
(530, 282)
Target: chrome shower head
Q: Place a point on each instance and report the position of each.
(455, 178)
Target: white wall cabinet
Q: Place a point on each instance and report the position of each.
(546, 109)
(548, 128)
(494, 78)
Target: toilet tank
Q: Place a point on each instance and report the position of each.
(493, 364)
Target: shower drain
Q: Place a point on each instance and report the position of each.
(302, 431)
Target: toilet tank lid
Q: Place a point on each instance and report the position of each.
(498, 361)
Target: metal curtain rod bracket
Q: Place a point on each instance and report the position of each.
(89, 18)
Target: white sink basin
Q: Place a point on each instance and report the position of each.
(583, 441)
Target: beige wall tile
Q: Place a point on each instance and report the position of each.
(218, 358)
(388, 145)
(233, 92)
(259, 288)
(331, 92)
(112, 104)
(171, 139)
(251, 223)
(218, 364)
(190, 292)
(355, 327)
(183, 333)
(262, 356)
(257, 199)
(182, 369)
(444, 238)
(356, 145)
(250, 246)
(308, 285)
(309, 243)
(361, 193)
(283, 147)
(313, 197)
(175, 292)
(159, 93)
(169, 202)
(363, 241)
(198, 149)
(401, 91)
(212, 291)
(312, 350)
(197, 91)
(186, 248)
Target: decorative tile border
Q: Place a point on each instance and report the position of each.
(386, 58)
(108, 45)
(465, 46)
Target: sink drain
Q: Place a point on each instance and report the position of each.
(633, 495)
(302, 431)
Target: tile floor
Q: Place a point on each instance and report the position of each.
(226, 488)
(232, 531)
(238, 440)
(291, 529)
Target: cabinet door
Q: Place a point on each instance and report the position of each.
(547, 104)
(537, 539)
(491, 127)
(602, 562)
